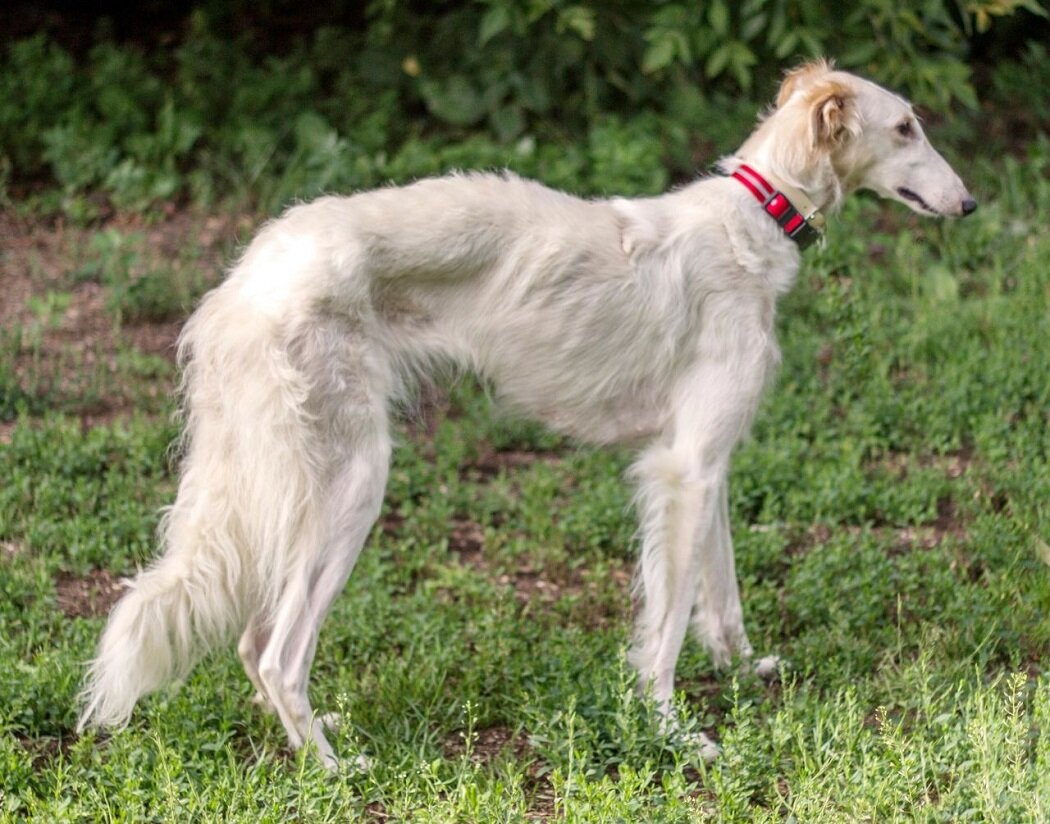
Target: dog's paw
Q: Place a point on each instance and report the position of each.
(703, 746)
(724, 640)
(263, 703)
(690, 742)
(360, 763)
(355, 765)
(768, 668)
(698, 744)
(332, 721)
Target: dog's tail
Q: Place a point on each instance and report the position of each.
(153, 636)
(245, 505)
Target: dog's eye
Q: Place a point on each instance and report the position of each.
(904, 128)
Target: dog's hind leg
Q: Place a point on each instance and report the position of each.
(284, 667)
(347, 452)
(249, 649)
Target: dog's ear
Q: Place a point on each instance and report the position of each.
(802, 77)
(833, 113)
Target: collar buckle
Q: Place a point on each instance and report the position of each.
(776, 204)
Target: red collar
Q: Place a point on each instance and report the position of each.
(777, 206)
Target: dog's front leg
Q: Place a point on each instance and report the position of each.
(679, 509)
(676, 510)
(682, 499)
(718, 617)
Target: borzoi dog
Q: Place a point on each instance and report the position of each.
(646, 321)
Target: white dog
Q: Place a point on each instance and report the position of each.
(646, 320)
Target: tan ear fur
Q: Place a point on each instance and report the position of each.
(832, 109)
(802, 76)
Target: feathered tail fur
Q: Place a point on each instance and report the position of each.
(244, 503)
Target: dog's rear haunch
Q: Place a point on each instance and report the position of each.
(646, 321)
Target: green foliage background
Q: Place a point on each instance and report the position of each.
(563, 91)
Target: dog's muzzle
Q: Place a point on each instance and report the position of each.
(967, 207)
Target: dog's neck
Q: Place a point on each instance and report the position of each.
(768, 188)
(803, 204)
(795, 213)
(810, 194)
(792, 165)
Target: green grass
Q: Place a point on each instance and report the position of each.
(891, 524)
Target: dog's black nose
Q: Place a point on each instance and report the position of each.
(968, 205)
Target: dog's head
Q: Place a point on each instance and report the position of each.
(868, 137)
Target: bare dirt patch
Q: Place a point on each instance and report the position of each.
(490, 743)
(467, 539)
(536, 585)
(69, 348)
(491, 462)
(948, 524)
(375, 811)
(88, 596)
(486, 744)
(586, 600)
(531, 583)
(897, 464)
(43, 751)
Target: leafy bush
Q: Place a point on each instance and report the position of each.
(36, 89)
(523, 83)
